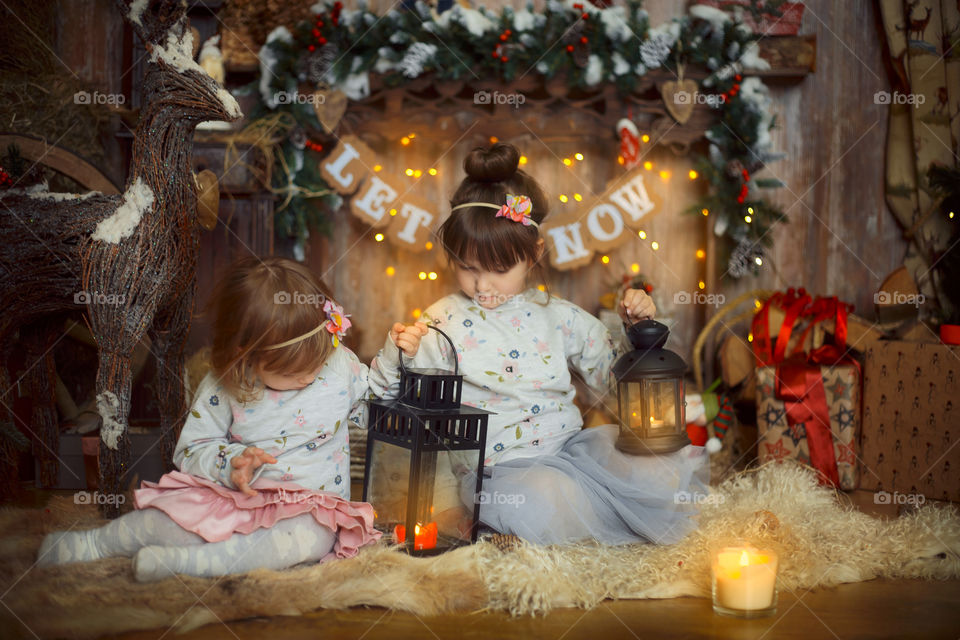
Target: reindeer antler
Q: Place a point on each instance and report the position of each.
(152, 20)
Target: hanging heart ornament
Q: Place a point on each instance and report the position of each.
(679, 98)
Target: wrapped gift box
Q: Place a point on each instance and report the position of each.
(780, 440)
(911, 419)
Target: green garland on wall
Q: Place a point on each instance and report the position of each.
(586, 44)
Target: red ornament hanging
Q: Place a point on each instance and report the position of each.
(629, 143)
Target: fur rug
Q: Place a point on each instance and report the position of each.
(821, 543)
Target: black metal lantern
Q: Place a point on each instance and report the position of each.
(418, 447)
(650, 393)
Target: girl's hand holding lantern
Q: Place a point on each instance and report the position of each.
(636, 305)
(408, 337)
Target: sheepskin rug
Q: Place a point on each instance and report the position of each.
(821, 542)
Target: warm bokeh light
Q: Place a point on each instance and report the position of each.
(563, 197)
(654, 245)
(577, 197)
(391, 271)
(422, 275)
(578, 156)
(416, 313)
(759, 261)
(377, 167)
(432, 171)
(635, 268)
(605, 259)
(642, 234)
(432, 275)
(621, 160)
(701, 254)
(648, 165)
(523, 159)
(378, 237)
(409, 172)
(693, 174)
(747, 219)
(705, 212)
(702, 284)
(429, 245)
(494, 139)
(404, 140)
(645, 138)
(664, 175)
(393, 212)
(567, 161)
(417, 173)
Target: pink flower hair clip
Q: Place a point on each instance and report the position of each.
(337, 321)
(517, 209)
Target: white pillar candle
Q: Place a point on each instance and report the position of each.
(744, 578)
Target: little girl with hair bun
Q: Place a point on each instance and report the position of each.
(546, 479)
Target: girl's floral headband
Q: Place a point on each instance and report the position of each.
(517, 208)
(337, 323)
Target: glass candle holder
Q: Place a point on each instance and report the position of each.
(745, 582)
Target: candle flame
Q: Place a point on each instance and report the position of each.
(416, 530)
(744, 559)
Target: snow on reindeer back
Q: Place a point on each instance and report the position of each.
(178, 53)
(137, 200)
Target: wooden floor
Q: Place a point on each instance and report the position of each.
(876, 609)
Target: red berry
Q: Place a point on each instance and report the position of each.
(319, 23)
(584, 16)
(503, 37)
(738, 77)
(311, 48)
(583, 40)
(509, 32)
(504, 59)
(570, 48)
(736, 86)
(322, 40)
(496, 55)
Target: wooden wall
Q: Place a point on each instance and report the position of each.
(841, 240)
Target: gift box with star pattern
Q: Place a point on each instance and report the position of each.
(911, 420)
(784, 438)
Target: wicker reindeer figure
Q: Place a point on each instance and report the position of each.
(129, 261)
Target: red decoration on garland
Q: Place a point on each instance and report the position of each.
(744, 189)
(629, 143)
(5, 180)
(313, 146)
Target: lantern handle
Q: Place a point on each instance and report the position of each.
(453, 350)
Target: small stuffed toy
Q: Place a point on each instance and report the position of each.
(709, 416)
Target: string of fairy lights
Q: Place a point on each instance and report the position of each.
(569, 162)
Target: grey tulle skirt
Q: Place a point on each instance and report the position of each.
(590, 490)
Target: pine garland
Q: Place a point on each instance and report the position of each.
(589, 45)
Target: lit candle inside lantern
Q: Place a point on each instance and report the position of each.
(744, 582)
(424, 537)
